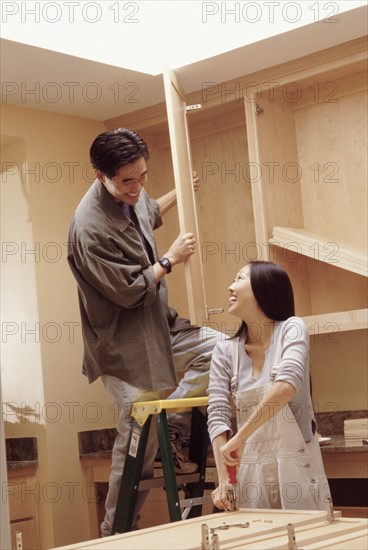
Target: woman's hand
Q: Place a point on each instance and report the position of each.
(229, 454)
(231, 451)
(220, 496)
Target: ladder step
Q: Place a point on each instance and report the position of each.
(194, 501)
(156, 482)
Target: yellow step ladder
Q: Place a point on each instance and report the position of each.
(192, 484)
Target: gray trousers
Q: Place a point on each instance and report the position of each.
(192, 351)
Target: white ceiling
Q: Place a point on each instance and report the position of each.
(48, 80)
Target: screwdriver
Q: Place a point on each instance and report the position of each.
(231, 495)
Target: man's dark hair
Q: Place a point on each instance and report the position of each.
(116, 148)
(273, 291)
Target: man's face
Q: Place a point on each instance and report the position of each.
(127, 184)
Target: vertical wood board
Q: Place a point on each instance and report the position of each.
(225, 205)
(188, 220)
(275, 169)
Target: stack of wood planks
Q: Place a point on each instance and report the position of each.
(355, 430)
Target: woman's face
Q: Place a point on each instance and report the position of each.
(241, 300)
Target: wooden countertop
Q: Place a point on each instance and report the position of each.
(335, 444)
(19, 464)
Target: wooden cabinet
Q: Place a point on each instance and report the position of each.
(282, 158)
(154, 511)
(219, 152)
(347, 473)
(312, 132)
(23, 494)
(283, 168)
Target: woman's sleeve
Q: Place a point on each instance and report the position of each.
(219, 391)
(294, 363)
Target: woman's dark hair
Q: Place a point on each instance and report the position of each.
(272, 289)
(116, 148)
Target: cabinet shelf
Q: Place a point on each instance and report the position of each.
(321, 248)
(340, 321)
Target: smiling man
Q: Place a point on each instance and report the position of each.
(132, 339)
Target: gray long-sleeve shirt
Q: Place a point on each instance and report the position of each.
(294, 368)
(126, 320)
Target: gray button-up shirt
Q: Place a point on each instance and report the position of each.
(126, 320)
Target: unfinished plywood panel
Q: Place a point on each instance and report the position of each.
(321, 288)
(296, 267)
(334, 289)
(181, 155)
(253, 529)
(274, 161)
(161, 181)
(338, 363)
(318, 131)
(322, 247)
(332, 146)
(225, 205)
(341, 321)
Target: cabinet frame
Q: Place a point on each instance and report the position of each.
(345, 64)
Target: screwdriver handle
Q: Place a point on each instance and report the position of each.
(232, 471)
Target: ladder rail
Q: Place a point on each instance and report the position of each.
(142, 413)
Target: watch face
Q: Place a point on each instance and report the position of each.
(166, 264)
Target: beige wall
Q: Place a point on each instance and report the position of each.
(45, 172)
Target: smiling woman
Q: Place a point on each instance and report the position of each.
(265, 370)
(261, 288)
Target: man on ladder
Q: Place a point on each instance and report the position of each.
(132, 339)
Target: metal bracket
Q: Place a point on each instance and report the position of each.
(330, 511)
(188, 503)
(214, 311)
(259, 110)
(214, 543)
(291, 537)
(194, 107)
(205, 537)
(225, 526)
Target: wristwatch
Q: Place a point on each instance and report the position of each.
(165, 262)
